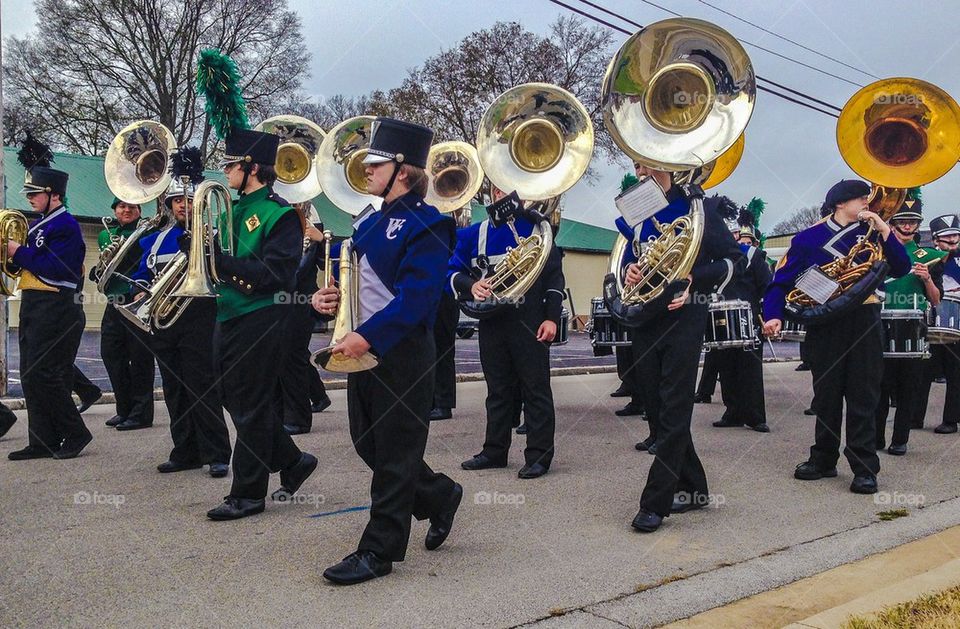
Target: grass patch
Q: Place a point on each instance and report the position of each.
(934, 611)
(892, 514)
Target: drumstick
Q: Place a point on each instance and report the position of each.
(769, 342)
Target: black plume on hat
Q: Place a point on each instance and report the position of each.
(34, 153)
(725, 207)
(746, 218)
(187, 162)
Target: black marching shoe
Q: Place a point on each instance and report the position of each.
(726, 423)
(90, 400)
(236, 508)
(652, 449)
(439, 413)
(621, 391)
(864, 485)
(30, 452)
(168, 467)
(942, 429)
(522, 429)
(71, 449)
(761, 427)
(358, 567)
(685, 501)
(319, 407)
(133, 424)
(290, 429)
(7, 420)
(809, 412)
(115, 421)
(897, 449)
(481, 462)
(219, 470)
(644, 445)
(532, 470)
(629, 410)
(701, 398)
(293, 477)
(808, 470)
(802, 367)
(442, 523)
(646, 522)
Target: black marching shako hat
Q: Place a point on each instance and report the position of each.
(251, 147)
(947, 225)
(35, 157)
(397, 141)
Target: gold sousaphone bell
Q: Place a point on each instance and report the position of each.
(137, 163)
(455, 175)
(676, 97)
(298, 156)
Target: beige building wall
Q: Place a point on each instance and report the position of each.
(584, 273)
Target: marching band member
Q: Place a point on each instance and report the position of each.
(903, 378)
(258, 277)
(445, 337)
(667, 366)
(741, 371)
(294, 401)
(51, 315)
(125, 348)
(401, 251)
(945, 357)
(184, 350)
(626, 357)
(514, 343)
(846, 355)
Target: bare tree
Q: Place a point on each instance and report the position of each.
(328, 113)
(96, 65)
(799, 220)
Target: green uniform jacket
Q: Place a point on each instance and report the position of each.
(907, 292)
(253, 278)
(117, 286)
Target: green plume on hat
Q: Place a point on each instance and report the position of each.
(629, 180)
(218, 81)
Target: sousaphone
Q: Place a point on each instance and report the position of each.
(298, 156)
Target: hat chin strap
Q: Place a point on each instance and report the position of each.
(393, 178)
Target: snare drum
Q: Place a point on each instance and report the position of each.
(943, 321)
(604, 331)
(730, 326)
(905, 334)
(792, 331)
(561, 338)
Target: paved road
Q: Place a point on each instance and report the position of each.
(576, 353)
(105, 540)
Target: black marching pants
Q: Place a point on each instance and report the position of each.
(516, 367)
(185, 355)
(297, 383)
(247, 350)
(83, 386)
(741, 378)
(51, 325)
(710, 374)
(445, 337)
(903, 380)
(945, 360)
(388, 408)
(668, 376)
(129, 362)
(846, 361)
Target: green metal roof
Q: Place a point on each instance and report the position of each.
(89, 197)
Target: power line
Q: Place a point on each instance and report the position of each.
(762, 88)
(787, 39)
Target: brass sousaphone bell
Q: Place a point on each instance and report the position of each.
(298, 156)
(455, 175)
(896, 133)
(676, 97)
(535, 139)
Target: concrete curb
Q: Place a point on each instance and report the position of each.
(18, 404)
(707, 590)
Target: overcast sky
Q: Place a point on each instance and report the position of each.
(791, 155)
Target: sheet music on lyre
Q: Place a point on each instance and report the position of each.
(817, 285)
(641, 201)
